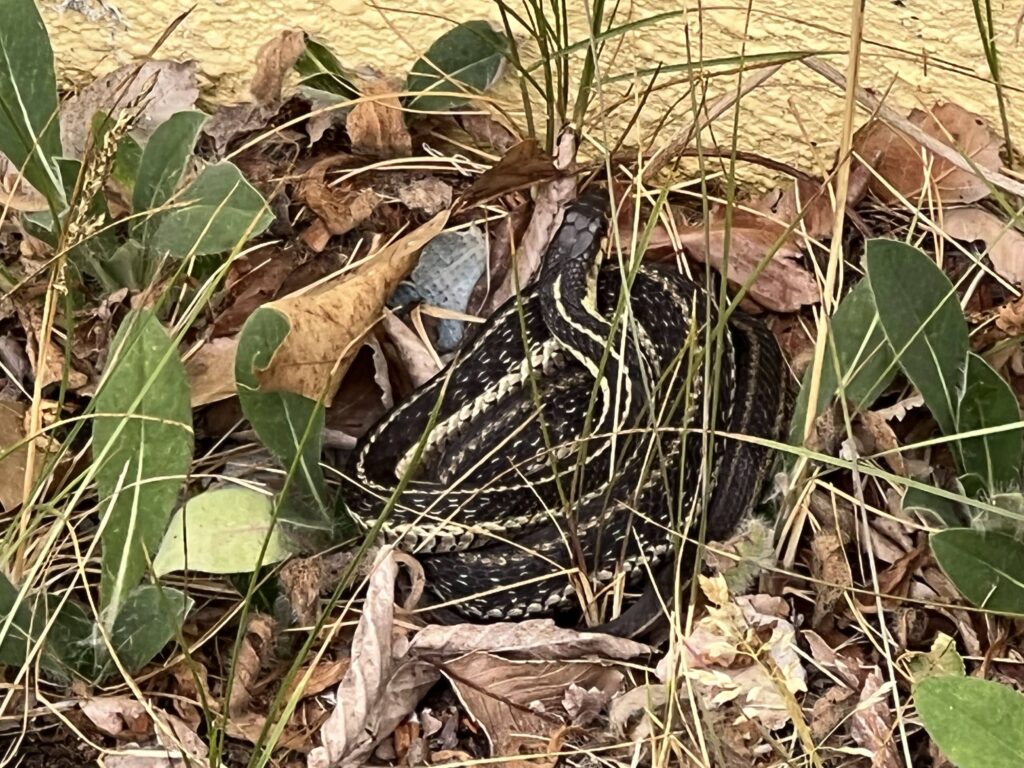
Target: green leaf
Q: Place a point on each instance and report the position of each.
(944, 511)
(986, 566)
(976, 723)
(15, 626)
(222, 210)
(321, 70)
(29, 125)
(990, 462)
(941, 660)
(922, 320)
(289, 425)
(142, 439)
(149, 619)
(164, 160)
(858, 363)
(70, 647)
(466, 59)
(222, 531)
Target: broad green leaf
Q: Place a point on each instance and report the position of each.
(466, 59)
(922, 320)
(221, 209)
(149, 619)
(29, 125)
(127, 265)
(15, 625)
(976, 723)
(986, 566)
(68, 169)
(128, 155)
(70, 646)
(990, 462)
(944, 511)
(858, 362)
(163, 162)
(289, 425)
(222, 531)
(941, 660)
(142, 440)
(321, 70)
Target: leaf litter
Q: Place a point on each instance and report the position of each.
(531, 690)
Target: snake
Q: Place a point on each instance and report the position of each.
(576, 448)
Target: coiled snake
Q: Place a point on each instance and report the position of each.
(560, 454)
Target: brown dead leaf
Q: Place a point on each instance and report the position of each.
(323, 675)
(211, 371)
(420, 361)
(252, 280)
(552, 197)
(875, 435)
(831, 570)
(300, 581)
(519, 703)
(381, 687)
(327, 321)
(532, 639)
(12, 466)
(871, 724)
(1004, 243)
(906, 166)
(829, 711)
(341, 207)
(522, 166)
(376, 125)
(252, 655)
(843, 663)
(166, 86)
(717, 656)
(16, 193)
(274, 61)
(784, 285)
(118, 716)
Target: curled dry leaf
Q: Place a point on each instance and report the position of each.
(419, 360)
(252, 655)
(1004, 243)
(376, 124)
(519, 703)
(327, 321)
(521, 167)
(871, 724)
(718, 650)
(341, 207)
(274, 61)
(166, 87)
(552, 197)
(118, 716)
(380, 688)
(905, 166)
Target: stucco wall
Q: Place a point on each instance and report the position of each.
(920, 50)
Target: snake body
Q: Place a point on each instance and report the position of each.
(562, 451)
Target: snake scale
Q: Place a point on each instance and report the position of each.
(561, 454)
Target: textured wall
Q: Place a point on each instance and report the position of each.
(920, 50)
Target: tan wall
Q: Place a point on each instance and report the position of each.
(923, 50)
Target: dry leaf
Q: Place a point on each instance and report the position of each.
(252, 655)
(166, 86)
(420, 361)
(16, 193)
(12, 466)
(903, 163)
(829, 711)
(877, 436)
(784, 285)
(531, 639)
(274, 61)
(376, 124)
(379, 689)
(324, 675)
(831, 570)
(552, 197)
(211, 371)
(519, 703)
(1004, 243)
(252, 280)
(327, 321)
(717, 656)
(521, 167)
(341, 207)
(118, 716)
(871, 724)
